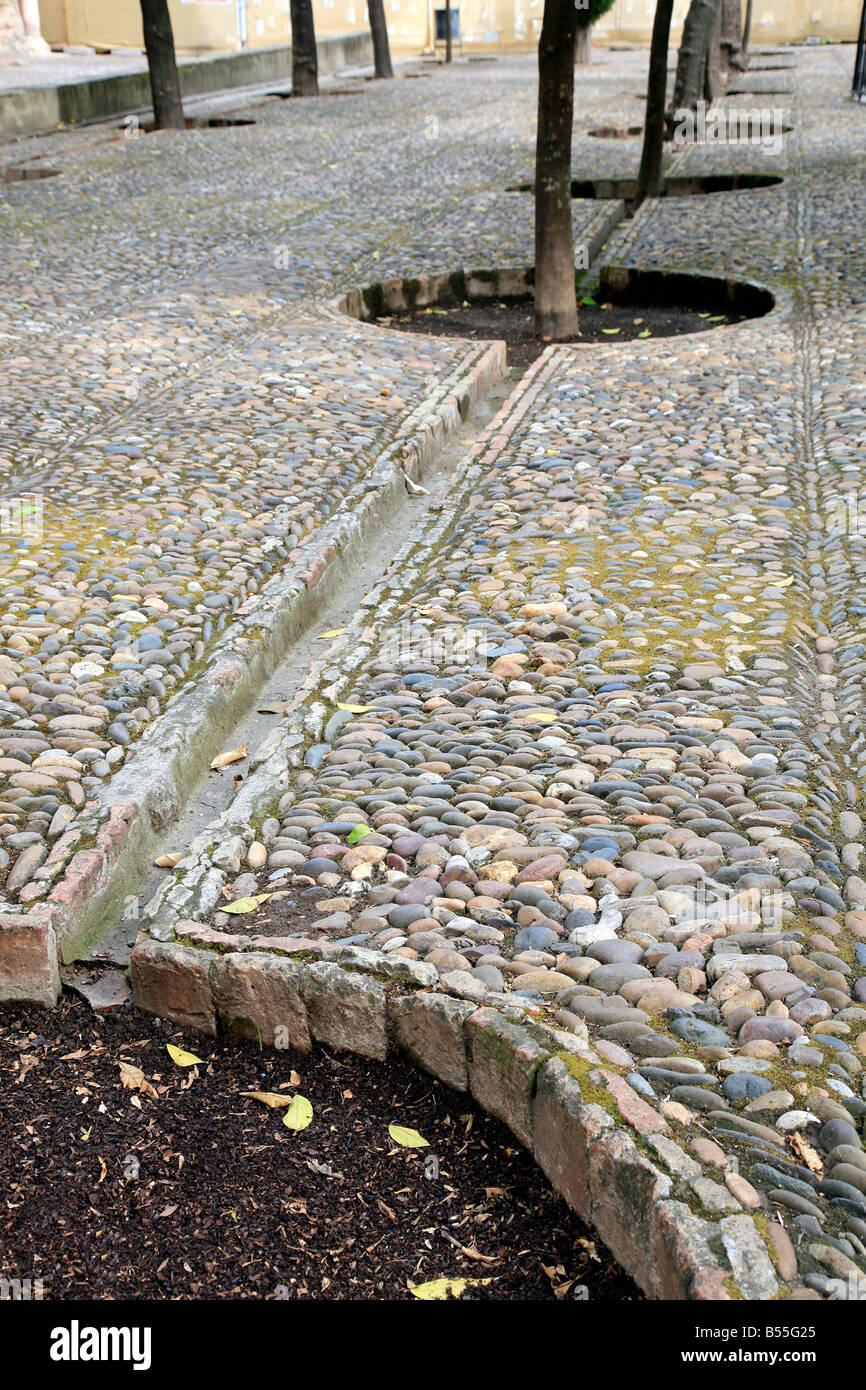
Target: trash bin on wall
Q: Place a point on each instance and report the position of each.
(442, 27)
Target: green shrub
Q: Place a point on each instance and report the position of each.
(592, 12)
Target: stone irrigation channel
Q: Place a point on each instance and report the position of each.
(561, 797)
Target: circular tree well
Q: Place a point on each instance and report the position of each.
(483, 305)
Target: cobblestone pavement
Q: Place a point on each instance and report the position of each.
(171, 382)
(56, 68)
(628, 804)
(601, 723)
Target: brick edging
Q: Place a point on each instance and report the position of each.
(589, 1132)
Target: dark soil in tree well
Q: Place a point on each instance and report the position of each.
(171, 1185)
(514, 322)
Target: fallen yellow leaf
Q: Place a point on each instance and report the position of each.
(409, 1138)
(443, 1288)
(183, 1059)
(243, 905)
(299, 1113)
(235, 755)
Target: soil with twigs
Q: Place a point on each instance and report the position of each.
(126, 1175)
(513, 321)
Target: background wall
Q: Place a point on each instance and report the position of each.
(488, 25)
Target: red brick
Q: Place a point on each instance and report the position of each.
(29, 970)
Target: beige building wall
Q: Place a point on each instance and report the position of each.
(487, 25)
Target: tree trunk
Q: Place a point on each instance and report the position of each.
(747, 28)
(379, 31)
(555, 297)
(649, 179)
(691, 62)
(732, 38)
(162, 66)
(712, 63)
(305, 62)
(583, 46)
(448, 31)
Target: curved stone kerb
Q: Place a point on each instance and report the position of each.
(510, 1068)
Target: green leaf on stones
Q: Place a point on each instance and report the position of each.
(408, 1138)
(299, 1113)
(244, 905)
(610, 331)
(360, 832)
(647, 333)
(443, 1288)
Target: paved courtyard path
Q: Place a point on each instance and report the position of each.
(600, 717)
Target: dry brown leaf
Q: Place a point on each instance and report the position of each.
(235, 755)
(268, 1098)
(807, 1154)
(168, 861)
(472, 1254)
(134, 1079)
(130, 1076)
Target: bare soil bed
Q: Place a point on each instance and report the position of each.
(181, 1188)
(513, 321)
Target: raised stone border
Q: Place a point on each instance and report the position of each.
(674, 186)
(398, 295)
(588, 1130)
(619, 283)
(28, 173)
(147, 793)
(632, 285)
(35, 110)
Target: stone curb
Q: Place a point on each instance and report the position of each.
(401, 295)
(519, 1071)
(147, 793)
(36, 110)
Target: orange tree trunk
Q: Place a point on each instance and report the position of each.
(162, 65)
(747, 28)
(555, 297)
(732, 37)
(305, 63)
(379, 31)
(692, 59)
(649, 179)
